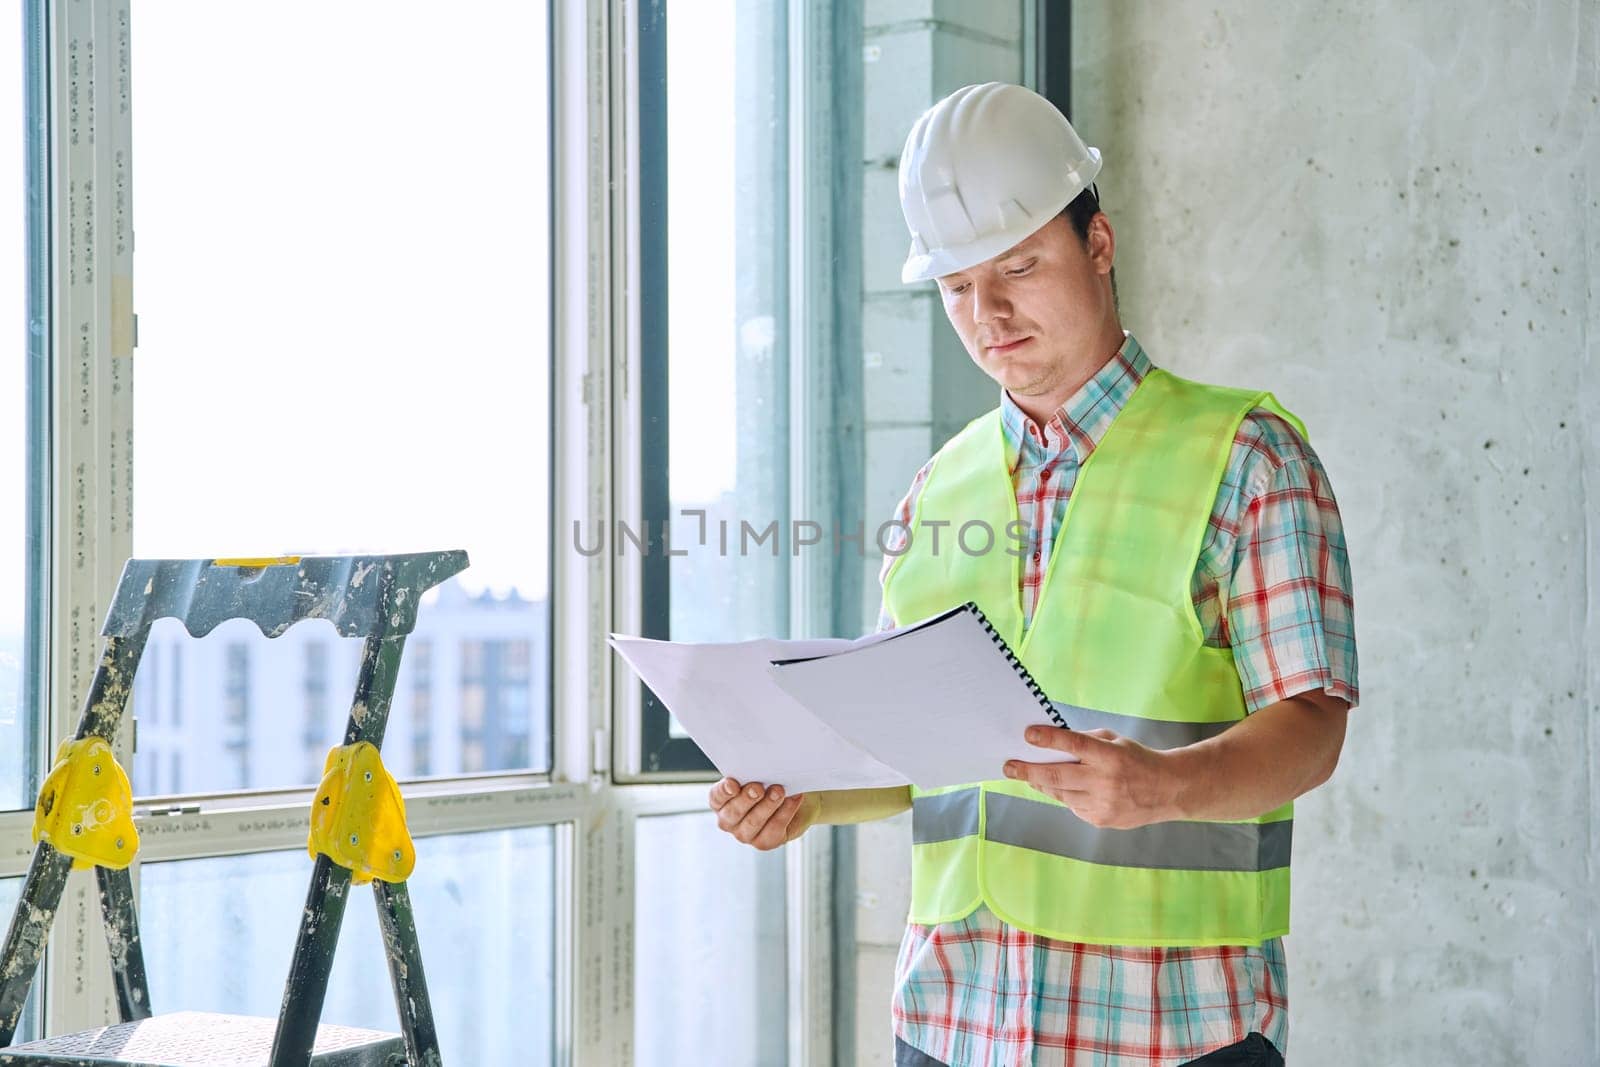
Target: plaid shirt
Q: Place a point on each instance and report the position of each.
(1273, 584)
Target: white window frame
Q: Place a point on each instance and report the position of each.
(594, 335)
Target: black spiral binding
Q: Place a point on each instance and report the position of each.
(1016, 664)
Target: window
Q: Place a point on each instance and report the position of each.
(350, 339)
(682, 969)
(742, 374)
(750, 297)
(304, 312)
(342, 286)
(14, 455)
(219, 934)
(715, 491)
(788, 386)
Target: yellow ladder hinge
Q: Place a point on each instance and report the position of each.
(358, 819)
(85, 807)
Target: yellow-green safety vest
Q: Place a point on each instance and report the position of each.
(1114, 631)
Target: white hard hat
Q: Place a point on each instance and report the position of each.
(984, 168)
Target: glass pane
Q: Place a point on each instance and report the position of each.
(726, 293)
(343, 346)
(22, 436)
(715, 313)
(709, 975)
(28, 1024)
(219, 935)
(233, 710)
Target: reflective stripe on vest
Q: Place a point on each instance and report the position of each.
(1114, 629)
(1151, 733)
(944, 816)
(1047, 828)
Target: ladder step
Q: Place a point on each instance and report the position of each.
(204, 1039)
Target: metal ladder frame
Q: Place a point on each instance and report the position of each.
(203, 594)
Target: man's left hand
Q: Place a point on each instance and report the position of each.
(1116, 783)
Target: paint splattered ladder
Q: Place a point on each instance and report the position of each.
(84, 818)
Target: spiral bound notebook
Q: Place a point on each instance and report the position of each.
(943, 701)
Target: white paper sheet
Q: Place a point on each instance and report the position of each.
(728, 700)
(940, 702)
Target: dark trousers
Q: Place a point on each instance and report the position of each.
(1253, 1051)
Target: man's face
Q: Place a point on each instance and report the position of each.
(1035, 316)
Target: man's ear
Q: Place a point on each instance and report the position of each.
(1102, 243)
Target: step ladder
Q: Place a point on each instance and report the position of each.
(374, 598)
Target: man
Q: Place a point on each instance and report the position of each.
(1185, 582)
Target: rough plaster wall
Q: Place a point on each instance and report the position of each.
(1387, 213)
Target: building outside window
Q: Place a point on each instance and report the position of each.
(421, 655)
(514, 705)
(496, 703)
(474, 705)
(315, 729)
(146, 707)
(175, 690)
(236, 708)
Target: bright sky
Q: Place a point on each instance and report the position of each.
(341, 281)
(700, 269)
(13, 326)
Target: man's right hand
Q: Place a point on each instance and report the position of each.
(761, 816)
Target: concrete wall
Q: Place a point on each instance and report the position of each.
(1388, 214)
